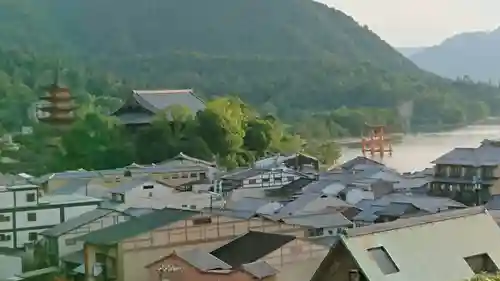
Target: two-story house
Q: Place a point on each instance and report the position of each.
(59, 241)
(254, 182)
(468, 175)
(24, 213)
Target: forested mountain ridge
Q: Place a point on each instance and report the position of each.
(298, 59)
(276, 29)
(472, 54)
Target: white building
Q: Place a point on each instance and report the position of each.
(24, 213)
(147, 192)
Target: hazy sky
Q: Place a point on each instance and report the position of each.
(414, 23)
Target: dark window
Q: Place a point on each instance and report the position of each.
(175, 176)
(204, 220)
(315, 232)
(127, 173)
(32, 236)
(185, 175)
(4, 218)
(148, 187)
(277, 179)
(31, 216)
(30, 197)
(4, 237)
(383, 260)
(481, 263)
(290, 178)
(117, 197)
(265, 180)
(193, 175)
(252, 181)
(203, 175)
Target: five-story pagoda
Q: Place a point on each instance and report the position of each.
(57, 106)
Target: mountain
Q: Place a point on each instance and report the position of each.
(473, 54)
(409, 51)
(293, 58)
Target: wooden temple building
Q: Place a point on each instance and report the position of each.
(57, 106)
(142, 105)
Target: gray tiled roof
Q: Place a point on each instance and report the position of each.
(157, 100)
(259, 269)
(368, 214)
(485, 155)
(319, 220)
(394, 209)
(72, 186)
(426, 203)
(247, 204)
(135, 226)
(202, 260)
(414, 221)
(76, 222)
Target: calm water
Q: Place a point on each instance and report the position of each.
(416, 152)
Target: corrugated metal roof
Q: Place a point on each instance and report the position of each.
(135, 226)
(76, 222)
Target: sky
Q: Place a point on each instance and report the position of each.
(419, 23)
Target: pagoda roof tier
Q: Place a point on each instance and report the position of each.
(57, 107)
(57, 120)
(56, 98)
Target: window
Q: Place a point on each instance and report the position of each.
(315, 232)
(127, 173)
(4, 237)
(175, 176)
(32, 236)
(117, 197)
(277, 178)
(252, 181)
(383, 260)
(31, 216)
(290, 178)
(203, 175)
(4, 218)
(150, 194)
(148, 187)
(204, 220)
(185, 175)
(266, 180)
(193, 175)
(193, 207)
(30, 197)
(70, 242)
(481, 263)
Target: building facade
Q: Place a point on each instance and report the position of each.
(24, 213)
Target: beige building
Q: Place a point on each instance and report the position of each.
(122, 251)
(173, 172)
(265, 256)
(451, 245)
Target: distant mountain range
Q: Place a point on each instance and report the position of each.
(473, 54)
(409, 51)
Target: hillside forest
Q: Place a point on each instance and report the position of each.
(304, 74)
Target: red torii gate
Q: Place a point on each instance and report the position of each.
(377, 141)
